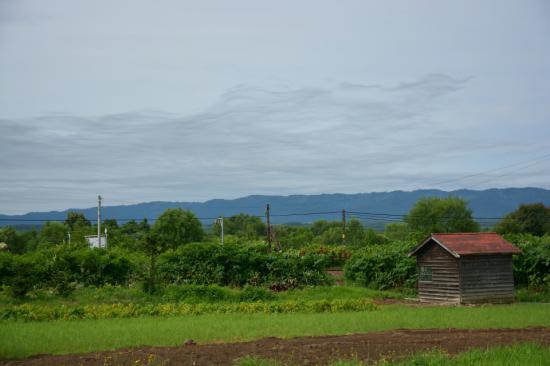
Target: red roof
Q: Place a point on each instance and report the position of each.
(471, 243)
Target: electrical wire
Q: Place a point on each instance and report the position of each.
(381, 216)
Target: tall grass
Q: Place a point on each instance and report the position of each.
(20, 339)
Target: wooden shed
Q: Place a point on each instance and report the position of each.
(465, 268)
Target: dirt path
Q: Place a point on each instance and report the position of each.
(304, 350)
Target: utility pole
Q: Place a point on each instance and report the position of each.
(220, 220)
(268, 226)
(343, 226)
(106, 241)
(99, 221)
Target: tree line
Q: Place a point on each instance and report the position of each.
(176, 227)
(178, 249)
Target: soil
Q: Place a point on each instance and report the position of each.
(303, 350)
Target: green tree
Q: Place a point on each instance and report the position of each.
(372, 237)
(9, 236)
(242, 225)
(128, 235)
(355, 234)
(320, 226)
(52, 233)
(527, 219)
(29, 239)
(397, 231)
(110, 224)
(293, 236)
(432, 215)
(76, 220)
(153, 245)
(175, 227)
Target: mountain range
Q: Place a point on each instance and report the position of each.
(376, 207)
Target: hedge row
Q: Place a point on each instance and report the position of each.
(232, 265)
(61, 268)
(64, 268)
(29, 312)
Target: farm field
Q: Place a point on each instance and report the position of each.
(22, 339)
(354, 349)
(244, 304)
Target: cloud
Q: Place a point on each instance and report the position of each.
(252, 140)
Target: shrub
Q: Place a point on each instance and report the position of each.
(231, 265)
(335, 256)
(191, 264)
(289, 270)
(63, 268)
(532, 266)
(6, 267)
(383, 266)
(27, 271)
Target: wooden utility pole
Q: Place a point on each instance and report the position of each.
(268, 226)
(99, 221)
(343, 226)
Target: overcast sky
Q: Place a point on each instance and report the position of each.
(194, 100)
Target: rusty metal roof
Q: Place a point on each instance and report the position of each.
(458, 244)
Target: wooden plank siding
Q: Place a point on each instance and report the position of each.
(445, 284)
(486, 278)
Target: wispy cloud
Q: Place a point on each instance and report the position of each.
(341, 137)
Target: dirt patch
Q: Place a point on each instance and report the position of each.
(304, 350)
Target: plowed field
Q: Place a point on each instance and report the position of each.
(304, 350)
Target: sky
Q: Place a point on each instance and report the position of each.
(195, 100)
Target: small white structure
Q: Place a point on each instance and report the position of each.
(93, 241)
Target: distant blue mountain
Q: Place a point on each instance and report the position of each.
(487, 203)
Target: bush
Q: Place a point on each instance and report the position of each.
(6, 268)
(195, 264)
(26, 272)
(335, 256)
(231, 265)
(532, 266)
(63, 268)
(383, 266)
(289, 270)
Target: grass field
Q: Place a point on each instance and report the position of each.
(21, 339)
(523, 354)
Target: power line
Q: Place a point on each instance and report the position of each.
(532, 161)
(307, 213)
(406, 215)
(359, 214)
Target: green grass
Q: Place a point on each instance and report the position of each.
(21, 339)
(521, 354)
(255, 361)
(525, 354)
(530, 295)
(338, 292)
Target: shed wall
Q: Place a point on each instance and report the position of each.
(486, 278)
(445, 283)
